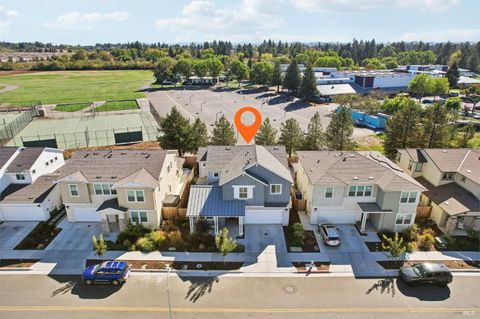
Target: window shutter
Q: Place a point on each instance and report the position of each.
(250, 192)
(235, 192)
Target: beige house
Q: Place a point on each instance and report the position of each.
(349, 187)
(452, 179)
(120, 186)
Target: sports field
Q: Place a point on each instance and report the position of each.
(74, 86)
(6, 118)
(87, 131)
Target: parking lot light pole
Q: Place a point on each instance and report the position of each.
(191, 98)
(167, 266)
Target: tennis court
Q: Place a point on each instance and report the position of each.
(99, 130)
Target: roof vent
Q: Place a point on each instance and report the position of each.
(344, 159)
(95, 153)
(148, 155)
(123, 153)
(227, 148)
(86, 155)
(446, 202)
(355, 178)
(98, 176)
(468, 171)
(370, 178)
(114, 176)
(352, 155)
(444, 151)
(311, 169)
(318, 161)
(109, 155)
(276, 148)
(144, 153)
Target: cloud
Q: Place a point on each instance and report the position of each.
(77, 20)
(6, 17)
(247, 20)
(459, 35)
(365, 5)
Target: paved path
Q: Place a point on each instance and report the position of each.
(145, 296)
(7, 87)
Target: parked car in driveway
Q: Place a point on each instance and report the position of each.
(434, 273)
(330, 235)
(109, 272)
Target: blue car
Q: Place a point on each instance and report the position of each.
(109, 272)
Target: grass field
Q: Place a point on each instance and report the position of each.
(117, 106)
(71, 107)
(74, 86)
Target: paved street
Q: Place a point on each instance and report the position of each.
(144, 296)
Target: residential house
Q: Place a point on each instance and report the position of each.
(27, 183)
(119, 186)
(452, 180)
(348, 187)
(241, 185)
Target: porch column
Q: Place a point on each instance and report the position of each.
(122, 222)
(192, 225)
(105, 225)
(215, 221)
(240, 226)
(364, 222)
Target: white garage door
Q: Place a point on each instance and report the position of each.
(337, 217)
(84, 214)
(263, 216)
(24, 213)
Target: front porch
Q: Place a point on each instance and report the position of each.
(372, 217)
(113, 217)
(234, 225)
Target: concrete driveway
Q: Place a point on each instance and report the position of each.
(12, 233)
(265, 248)
(75, 236)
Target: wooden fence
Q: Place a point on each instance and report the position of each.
(181, 209)
(298, 204)
(423, 211)
(173, 212)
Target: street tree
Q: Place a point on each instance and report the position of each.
(308, 84)
(200, 68)
(175, 132)
(267, 134)
(164, 70)
(403, 128)
(315, 138)
(277, 77)
(223, 132)
(225, 244)
(99, 246)
(291, 80)
(184, 67)
(435, 124)
(261, 73)
(291, 135)
(339, 131)
(199, 135)
(394, 246)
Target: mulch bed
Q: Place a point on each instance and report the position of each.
(177, 265)
(40, 237)
(374, 246)
(322, 267)
(17, 263)
(452, 264)
(309, 244)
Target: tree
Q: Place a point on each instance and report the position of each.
(394, 246)
(267, 135)
(164, 70)
(403, 128)
(291, 81)
(453, 106)
(225, 244)
(176, 132)
(199, 135)
(439, 86)
(215, 67)
(277, 77)
(315, 139)
(239, 70)
(223, 132)
(184, 67)
(420, 85)
(465, 134)
(99, 246)
(262, 73)
(308, 84)
(453, 74)
(200, 68)
(291, 135)
(339, 131)
(435, 123)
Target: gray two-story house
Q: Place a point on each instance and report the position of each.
(241, 185)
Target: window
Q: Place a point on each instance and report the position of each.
(104, 189)
(135, 196)
(215, 174)
(275, 189)
(56, 158)
(408, 197)
(33, 171)
(463, 179)
(138, 217)
(410, 165)
(46, 164)
(73, 190)
(448, 176)
(204, 164)
(418, 167)
(328, 192)
(403, 219)
(360, 191)
(20, 177)
(51, 161)
(243, 192)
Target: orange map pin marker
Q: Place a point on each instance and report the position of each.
(248, 132)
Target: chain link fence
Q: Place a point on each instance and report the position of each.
(9, 129)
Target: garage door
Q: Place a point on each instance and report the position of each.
(24, 213)
(337, 217)
(263, 216)
(83, 215)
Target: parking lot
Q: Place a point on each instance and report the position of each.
(210, 104)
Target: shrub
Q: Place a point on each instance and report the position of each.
(410, 247)
(132, 232)
(145, 244)
(412, 233)
(126, 244)
(429, 231)
(202, 227)
(298, 233)
(473, 234)
(169, 225)
(158, 237)
(175, 238)
(427, 241)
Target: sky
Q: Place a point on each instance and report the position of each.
(183, 21)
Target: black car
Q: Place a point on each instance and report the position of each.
(433, 273)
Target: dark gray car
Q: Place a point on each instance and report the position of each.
(434, 273)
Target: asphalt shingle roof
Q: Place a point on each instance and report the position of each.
(113, 204)
(29, 193)
(206, 200)
(25, 159)
(6, 153)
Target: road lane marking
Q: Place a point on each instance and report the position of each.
(178, 104)
(235, 310)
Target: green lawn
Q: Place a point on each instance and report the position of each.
(72, 107)
(75, 86)
(475, 141)
(118, 106)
